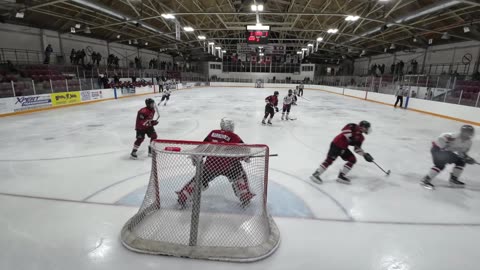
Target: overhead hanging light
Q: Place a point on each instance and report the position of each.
(446, 36)
(168, 16)
(224, 51)
(332, 30)
(211, 43)
(304, 49)
(130, 42)
(352, 18)
(188, 29)
(310, 45)
(20, 14)
(201, 37)
(118, 36)
(320, 39)
(146, 43)
(87, 30)
(77, 25)
(299, 52)
(466, 29)
(393, 47)
(72, 30)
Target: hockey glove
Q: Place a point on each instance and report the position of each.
(154, 122)
(276, 109)
(368, 157)
(469, 160)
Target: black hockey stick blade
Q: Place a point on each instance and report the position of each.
(386, 172)
(305, 98)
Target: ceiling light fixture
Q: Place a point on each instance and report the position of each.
(201, 37)
(211, 43)
(188, 29)
(466, 29)
(332, 30)
(87, 30)
(446, 36)
(20, 15)
(310, 45)
(168, 16)
(393, 47)
(118, 36)
(352, 18)
(77, 25)
(304, 49)
(224, 51)
(146, 43)
(260, 7)
(72, 29)
(218, 48)
(320, 39)
(299, 52)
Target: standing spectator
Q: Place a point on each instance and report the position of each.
(94, 57)
(99, 58)
(116, 79)
(116, 60)
(392, 68)
(382, 69)
(399, 95)
(48, 52)
(72, 56)
(82, 56)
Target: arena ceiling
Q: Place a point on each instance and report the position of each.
(383, 25)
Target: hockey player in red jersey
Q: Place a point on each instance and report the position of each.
(217, 166)
(270, 107)
(447, 149)
(352, 134)
(145, 125)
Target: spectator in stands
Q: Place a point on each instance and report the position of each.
(476, 76)
(82, 56)
(72, 56)
(399, 95)
(116, 61)
(116, 79)
(94, 57)
(99, 58)
(382, 69)
(414, 94)
(392, 68)
(48, 52)
(414, 66)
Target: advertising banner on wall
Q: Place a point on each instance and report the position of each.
(32, 102)
(91, 95)
(65, 98)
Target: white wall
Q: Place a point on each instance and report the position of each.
(441, 54)
(29, 38)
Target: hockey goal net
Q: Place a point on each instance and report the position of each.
(259, 83)
(205, 201)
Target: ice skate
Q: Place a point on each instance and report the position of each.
(133, 155)
(263, 122)
(454, 182)
(343, 179)
(269, 122)
(315, 177)
(283, 117)
(426, 183)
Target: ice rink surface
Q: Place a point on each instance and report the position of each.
(67, 185)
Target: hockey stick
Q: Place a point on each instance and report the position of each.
(305, 98)
(157, 110)
(386, 172)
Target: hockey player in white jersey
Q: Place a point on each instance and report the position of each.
(165, 96)
(288, 100)
(295, 96)
(447, 149)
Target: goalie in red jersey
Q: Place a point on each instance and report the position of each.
(145, 126)
(352, 134)
(217, 166)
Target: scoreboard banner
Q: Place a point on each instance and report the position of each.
(272, 48)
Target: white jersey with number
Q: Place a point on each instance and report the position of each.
(166, 92)
(453, 142)
(287, 100)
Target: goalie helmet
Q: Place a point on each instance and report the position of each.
(227, 124)
(149, 101)
(467, 132)
(276, 93)
(365, 125)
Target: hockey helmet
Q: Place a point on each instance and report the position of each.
(467, 132)
(149, 101)
(290, 91)
(276, 93)
(227, 124)
(366, 127)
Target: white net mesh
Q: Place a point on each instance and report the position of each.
(223, 218)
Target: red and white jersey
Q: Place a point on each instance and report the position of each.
(144, 116)
(351, 135)
(453, 142)
(222, 136)
(287, 100)
(221, 164)
(273, 100)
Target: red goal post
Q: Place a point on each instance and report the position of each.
(215, 223)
